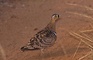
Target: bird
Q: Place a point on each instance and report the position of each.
(44, 38)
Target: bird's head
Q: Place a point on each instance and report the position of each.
(54, 17)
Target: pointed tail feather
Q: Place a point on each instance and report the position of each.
(25, 48)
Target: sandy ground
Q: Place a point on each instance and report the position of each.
(21, 19)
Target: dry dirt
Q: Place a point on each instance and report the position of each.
(21, 19)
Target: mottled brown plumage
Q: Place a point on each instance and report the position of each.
(44, 38)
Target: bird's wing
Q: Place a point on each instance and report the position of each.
(46, 37)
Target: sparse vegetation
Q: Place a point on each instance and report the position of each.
(84, 38)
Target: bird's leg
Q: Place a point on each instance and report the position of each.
(42, 52)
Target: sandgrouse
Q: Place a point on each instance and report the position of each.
(44, 38)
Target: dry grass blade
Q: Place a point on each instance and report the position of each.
(77, 49)
(91, 47)
(89, 53)
(91, 25)
(87, 31)
(73, 4)
(91, 56)
(80, 38)
(84, 15)
(91, 30)
(86, 36)
(64, 50)
(2, 52)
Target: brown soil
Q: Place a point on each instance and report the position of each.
(21, 19)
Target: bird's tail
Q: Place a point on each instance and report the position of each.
(24, 48)
(28, 47)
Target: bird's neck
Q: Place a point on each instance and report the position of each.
(52, 25)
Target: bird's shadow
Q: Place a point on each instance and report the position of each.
(57, 53)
